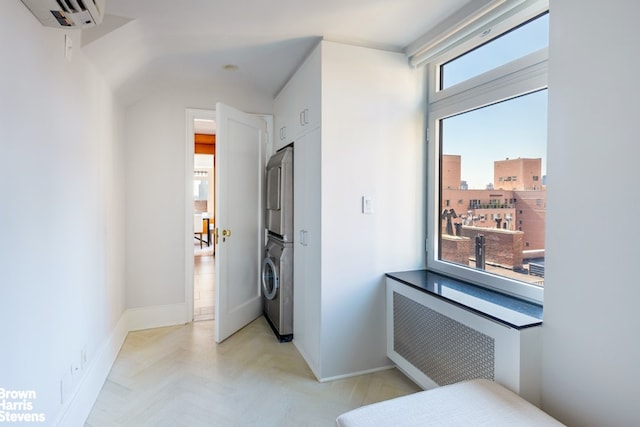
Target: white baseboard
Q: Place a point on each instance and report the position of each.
(305, 356)
(83, 397)
(356, 374)
(315, 369)
(156, 316)
(80, 403)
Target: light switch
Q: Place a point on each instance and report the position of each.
(68, 47)
(367, 205)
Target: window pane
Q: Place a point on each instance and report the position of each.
(515, 44)
(493, 165)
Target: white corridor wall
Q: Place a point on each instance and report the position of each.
(61, 212)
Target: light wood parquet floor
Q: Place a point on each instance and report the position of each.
(178, 376)
(203, 282)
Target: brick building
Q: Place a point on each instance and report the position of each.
(517, 174)
(517, 203)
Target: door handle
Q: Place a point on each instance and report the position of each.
(225, 233)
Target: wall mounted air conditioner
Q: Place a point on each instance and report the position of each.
(67, 13)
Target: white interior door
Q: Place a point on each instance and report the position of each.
(241, 141)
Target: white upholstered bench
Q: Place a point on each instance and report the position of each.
(470, 403)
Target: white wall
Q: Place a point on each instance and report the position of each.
(155, 169)
(61, 212)
(372, 144)
(591, 346)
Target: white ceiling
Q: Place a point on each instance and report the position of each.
(143, 45)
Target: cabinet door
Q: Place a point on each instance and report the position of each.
(283, 110)
(306, 254)
(306, 94)
(310, 90)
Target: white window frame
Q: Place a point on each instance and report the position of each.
(519, 77)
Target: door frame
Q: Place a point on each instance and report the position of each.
(190, 115)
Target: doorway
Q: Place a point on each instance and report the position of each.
(203, 223)
(200, 214)
(243, 142)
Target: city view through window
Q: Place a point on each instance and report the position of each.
(493, 188)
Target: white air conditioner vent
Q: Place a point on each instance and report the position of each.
(67, 13)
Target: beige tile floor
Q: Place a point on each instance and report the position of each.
(178, 376)
(203, 283)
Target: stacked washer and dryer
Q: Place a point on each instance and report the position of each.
(277, 267)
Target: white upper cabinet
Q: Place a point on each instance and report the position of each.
(283, 112)
(297, 106)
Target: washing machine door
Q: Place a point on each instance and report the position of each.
(270, 280)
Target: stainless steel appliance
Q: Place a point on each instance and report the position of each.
(279, 213)
(277, 267)
(277, 287)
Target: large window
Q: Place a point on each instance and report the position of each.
(516, 43)
(487, 133)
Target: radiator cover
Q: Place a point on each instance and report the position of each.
(436, 342)
(443, 349)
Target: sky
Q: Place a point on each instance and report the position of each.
(510, 129)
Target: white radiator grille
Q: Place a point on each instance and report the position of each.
(445, 350)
